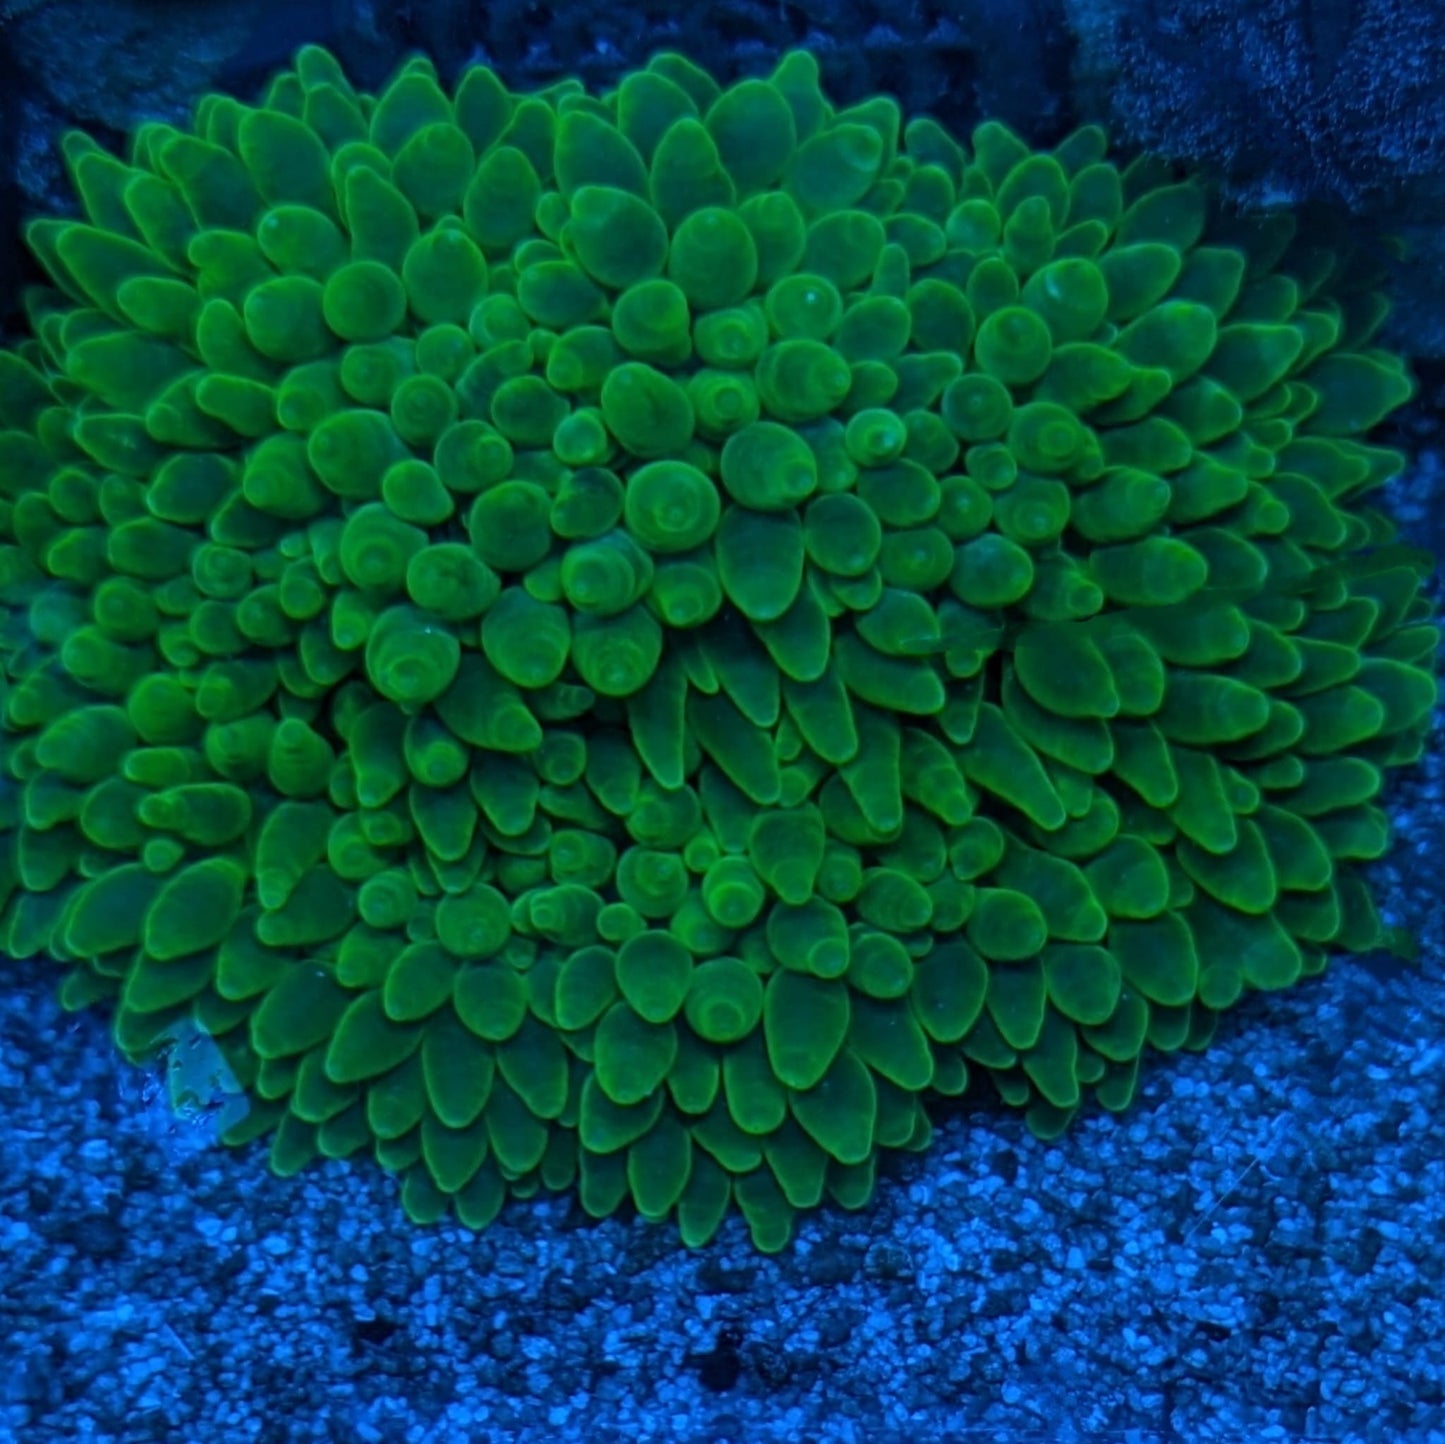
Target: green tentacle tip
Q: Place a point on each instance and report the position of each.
(624, 644)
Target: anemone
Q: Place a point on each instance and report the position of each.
(628, 642)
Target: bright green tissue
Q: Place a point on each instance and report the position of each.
(625, 643)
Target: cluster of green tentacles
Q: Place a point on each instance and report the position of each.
(627, 642)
